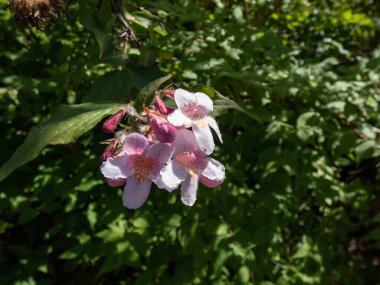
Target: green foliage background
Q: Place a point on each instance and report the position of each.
(301, 201)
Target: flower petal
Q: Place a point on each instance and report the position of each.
(209, 183)
(184, 98)
(189, 190)
(185, 141)
(161, 152)
(135, 193)
(214, 125)
(178, 119)
(117, 167)
(170, 176)
(204, 101)
(203, 135)
(214, 170)
(116, 182)
(135, 143)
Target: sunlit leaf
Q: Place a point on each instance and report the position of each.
(68, 123)
(146, 94)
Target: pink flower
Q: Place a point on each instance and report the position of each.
(164, 131)
(192, 112)
(141, 164)
(188, 166)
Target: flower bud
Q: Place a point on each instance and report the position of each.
(108, 152)
(168, 92)
(164, 131)
(170, 110)
(160, 105)
(110, 125)
(149, 137)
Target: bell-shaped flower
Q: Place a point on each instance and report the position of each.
(140, 165)
(189, 166)
(192, 112)
(164, 131)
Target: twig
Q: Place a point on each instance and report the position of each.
(123, 20)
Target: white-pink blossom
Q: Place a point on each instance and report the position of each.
(193, 112)
(189, 166)
(140, 164)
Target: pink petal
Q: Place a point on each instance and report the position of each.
(171, 176)
(189, 189)
(135, 144)
(135, 193)
(184, 98)
(213, 173)
(185, 141)
(214, 125)
(117, 167)
(205, 101)
(178, 119)
(161, 152)
(209, 183)
(116, 182)
(203, 135)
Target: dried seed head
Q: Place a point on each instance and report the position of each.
(37, 13)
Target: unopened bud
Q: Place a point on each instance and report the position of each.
(110, 125)
(164, 131)
(170, 110)
(149, 137)
(168, 92)
(108, 152)
(160, 105)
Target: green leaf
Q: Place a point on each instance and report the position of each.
(113, 86)
(307, 125)
(69, 122)
(113, 262)
(373, 235)
(146, 94)
(89, 22)
(222, 103)
(308, 119)
(146, 20)
(305, 133)
(367, 149)
(376, 219)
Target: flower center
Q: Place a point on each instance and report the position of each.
(143, 166)
(191, 162)
(194, 112)
(201, 123)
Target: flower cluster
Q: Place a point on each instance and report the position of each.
(166, 146)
